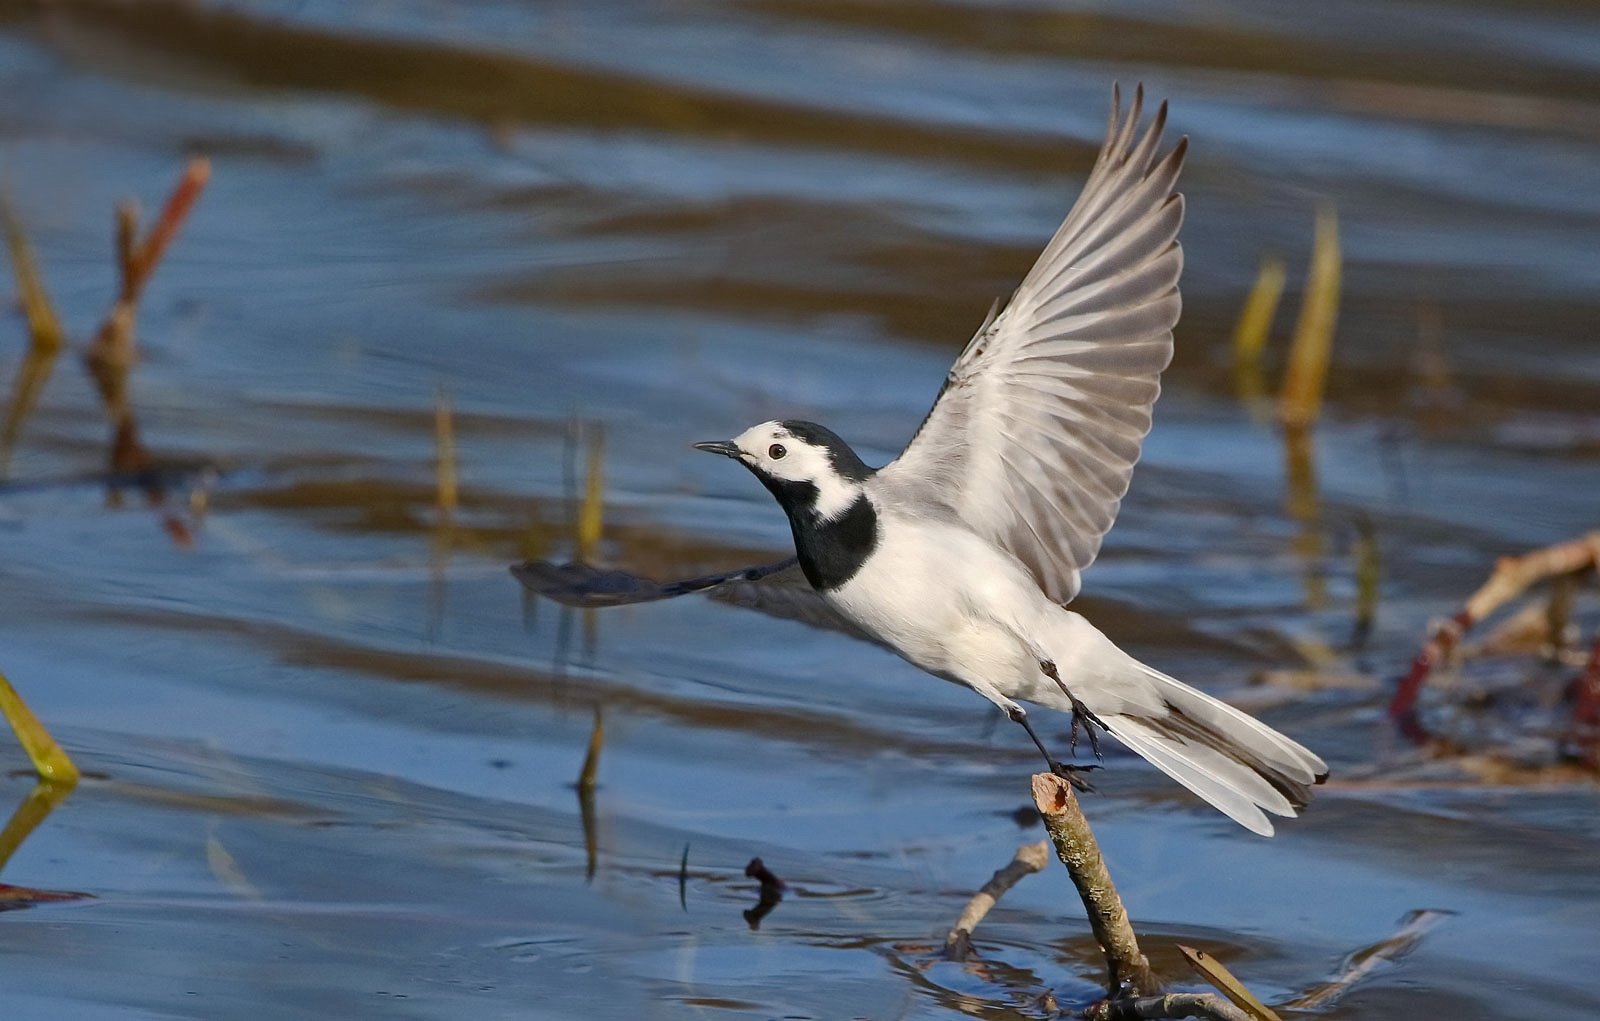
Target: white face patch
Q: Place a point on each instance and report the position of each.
(773, 450)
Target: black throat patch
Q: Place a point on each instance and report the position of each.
(831, 552)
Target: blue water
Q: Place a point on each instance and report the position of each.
(332, 749)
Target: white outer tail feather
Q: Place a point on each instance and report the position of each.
(1231, 787)
(1230, 759)
(1227, 781)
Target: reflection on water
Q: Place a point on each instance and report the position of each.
(338, 749)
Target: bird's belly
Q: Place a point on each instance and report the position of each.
(941, 606)
(929, 632)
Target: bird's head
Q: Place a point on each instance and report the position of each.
(805, 465)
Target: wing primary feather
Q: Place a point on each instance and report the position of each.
(1068, 369)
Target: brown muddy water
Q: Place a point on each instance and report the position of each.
(334, 749)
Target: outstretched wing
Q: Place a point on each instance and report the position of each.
(777, 590)
(1035, 434)
(584, 585)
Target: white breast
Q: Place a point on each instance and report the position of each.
(944, 598)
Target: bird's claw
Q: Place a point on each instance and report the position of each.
(1084, 717)
(1073, 775)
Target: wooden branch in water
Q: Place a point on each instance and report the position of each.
(1207, 1006)
(1132, 986)
(1076, 847)
(1213, 971)
(1512, 576)
(1030, 858)
(1364, 962)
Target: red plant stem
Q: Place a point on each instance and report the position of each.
(1511, 577)
(1438, 648)
(182, 199)
(1586, 707)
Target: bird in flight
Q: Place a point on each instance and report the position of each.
(961, 553)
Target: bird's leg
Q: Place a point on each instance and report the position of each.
(1081, 714)
(1069, 773)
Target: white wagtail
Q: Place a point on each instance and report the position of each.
(959, 554)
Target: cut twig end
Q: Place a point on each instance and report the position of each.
(1035, 856)
(1051, 793)
(199, 170)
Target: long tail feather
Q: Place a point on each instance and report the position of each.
(1235, 762)
(1232, 760)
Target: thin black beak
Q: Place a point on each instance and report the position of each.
(727, 448)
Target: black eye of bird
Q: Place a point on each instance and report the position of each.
(776, 452)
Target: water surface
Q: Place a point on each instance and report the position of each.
(334, 749)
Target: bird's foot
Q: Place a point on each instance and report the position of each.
(1082, 715)
(1073, 775)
